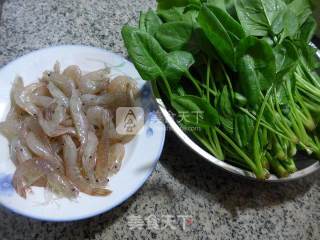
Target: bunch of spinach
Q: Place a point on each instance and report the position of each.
(246, 65)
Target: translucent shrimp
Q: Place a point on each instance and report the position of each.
(52, 127)
(41, 101)
(62, 82)
(73, 172)
(102, 170)
(94, 82)
(116, 155)
(19, 153)
(106, 100)
(23, 95)
(89, 155)
(41, 150)
(32, 170)
(10, 127)
(79, 118)
(25, 175)
(58, 94)
(74, 73)
(122, 85)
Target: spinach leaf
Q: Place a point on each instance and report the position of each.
(286, 57)
(301, 9)
(225, 105)
(256, 67)
(290, 24)
(167, 4)
(172, 14)
(218, 3)
(232, 26)
(308, 54)
(197, 110)
(142, 20)
(178, 63)
(174, 35)
(151, 22)
(308, 29)
(243, 129)
(146, 53)
(261, 17)
(217, 35)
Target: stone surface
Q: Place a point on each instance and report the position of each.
(222, 206)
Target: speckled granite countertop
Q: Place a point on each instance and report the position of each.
(221, 206)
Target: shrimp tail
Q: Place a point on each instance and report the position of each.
(100, 192)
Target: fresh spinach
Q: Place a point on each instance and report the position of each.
(256, 67)
(174, 35)
(261, 17)
(217, 35)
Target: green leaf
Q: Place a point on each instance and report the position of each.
(178, 63)
(174, 35)
(302, 10)
(308, 30)
(286, 57)
(167, 4)
(146, 53)
(151, 22)
(217, 35)
(232, 26)
(243, 128)
(198, 111)
(225, 106)
(261, 17)
(290, 23)
(172, 14)
(308, 55)
(142, 20)
(256, 67)
(218, 3)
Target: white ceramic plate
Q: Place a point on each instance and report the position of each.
(142, 153)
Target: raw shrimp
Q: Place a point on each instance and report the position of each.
(73, 172)
(58, 94)
(74, 73)
(43, 151)
(89, 154)
(41, 101)
(101, 117)
(79, 118)
(52, 127)
(9, 128)
(62, 132)
(19, 152)
(32, 170)
(116, 155)
(22, 95)
(123, 85)
(62, 82)
(102, 158)
(94, 82)
(25, 175)
(106, 100)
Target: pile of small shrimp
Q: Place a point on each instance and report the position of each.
(62, 134)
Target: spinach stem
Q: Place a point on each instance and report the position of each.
(256, 146)
(208, 80)
(194, 81)
(238, 150)
(166, 83)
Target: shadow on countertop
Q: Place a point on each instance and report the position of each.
(232, 192)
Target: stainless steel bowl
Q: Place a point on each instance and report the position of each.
(305, 165)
